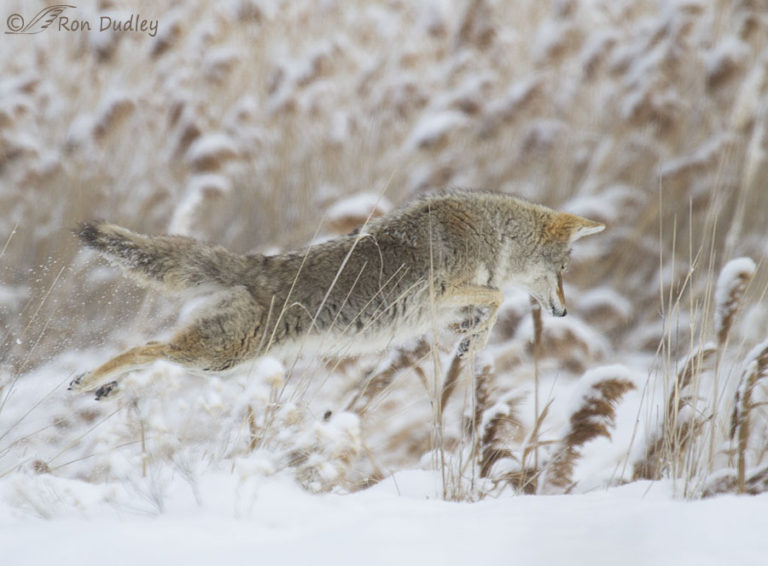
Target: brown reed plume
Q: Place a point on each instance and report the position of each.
(450, 381)
(755, 369)
(406, 357)
(594, 418)
(729, 291)
(496, 425)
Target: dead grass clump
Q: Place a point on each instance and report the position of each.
(210, 151)
(730, 288)
(571, 342)
(593, 418)
(495, 429)
(379, 381)
(510, 314)
(665, 449)
(497, 426)
(677, 447)
(755, 370)
(167, 36)
(476, 26)
(518, 100)
(450, 381)
(609, 311)
(325, 457)
(115, 112)
(727, 481)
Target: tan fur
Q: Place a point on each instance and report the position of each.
(566, 227)
(442, 256)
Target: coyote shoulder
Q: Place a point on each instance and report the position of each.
(437, 259)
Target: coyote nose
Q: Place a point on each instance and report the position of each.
(560, 313)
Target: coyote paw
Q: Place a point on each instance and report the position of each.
(107, 390)
(471, 323)
(475, 342)
(463, 348)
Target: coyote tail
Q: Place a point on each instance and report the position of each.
(171, 263)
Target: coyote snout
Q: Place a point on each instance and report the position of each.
(543, 277)
(548, 291)
(558, 308)
(442, 256)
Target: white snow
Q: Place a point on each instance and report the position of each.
(360, 204)
(397, 522)
(199, 507)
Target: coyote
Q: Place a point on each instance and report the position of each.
(443, 258)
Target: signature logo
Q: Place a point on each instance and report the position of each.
(39, 23)
(51, 18)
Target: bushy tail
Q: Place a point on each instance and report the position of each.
(172, 263)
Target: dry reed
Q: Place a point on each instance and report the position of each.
(755, 369)
(676, 430)
(731, 285)
(378, 382)
(592, 419)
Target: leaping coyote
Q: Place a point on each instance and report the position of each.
(439, 259)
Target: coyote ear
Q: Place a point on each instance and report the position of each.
(585, 227)
(569, 228)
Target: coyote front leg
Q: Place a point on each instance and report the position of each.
(475, 296)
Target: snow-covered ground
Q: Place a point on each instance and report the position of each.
(165, 475)
(399, 521)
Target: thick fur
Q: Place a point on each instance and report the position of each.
(438, 258)
(170, 263)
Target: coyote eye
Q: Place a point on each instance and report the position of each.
(566, 261)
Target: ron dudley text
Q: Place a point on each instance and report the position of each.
(134, 23)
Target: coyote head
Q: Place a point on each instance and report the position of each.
(543, 274)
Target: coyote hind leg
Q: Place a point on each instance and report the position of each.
(98, 379)
(225, 334)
